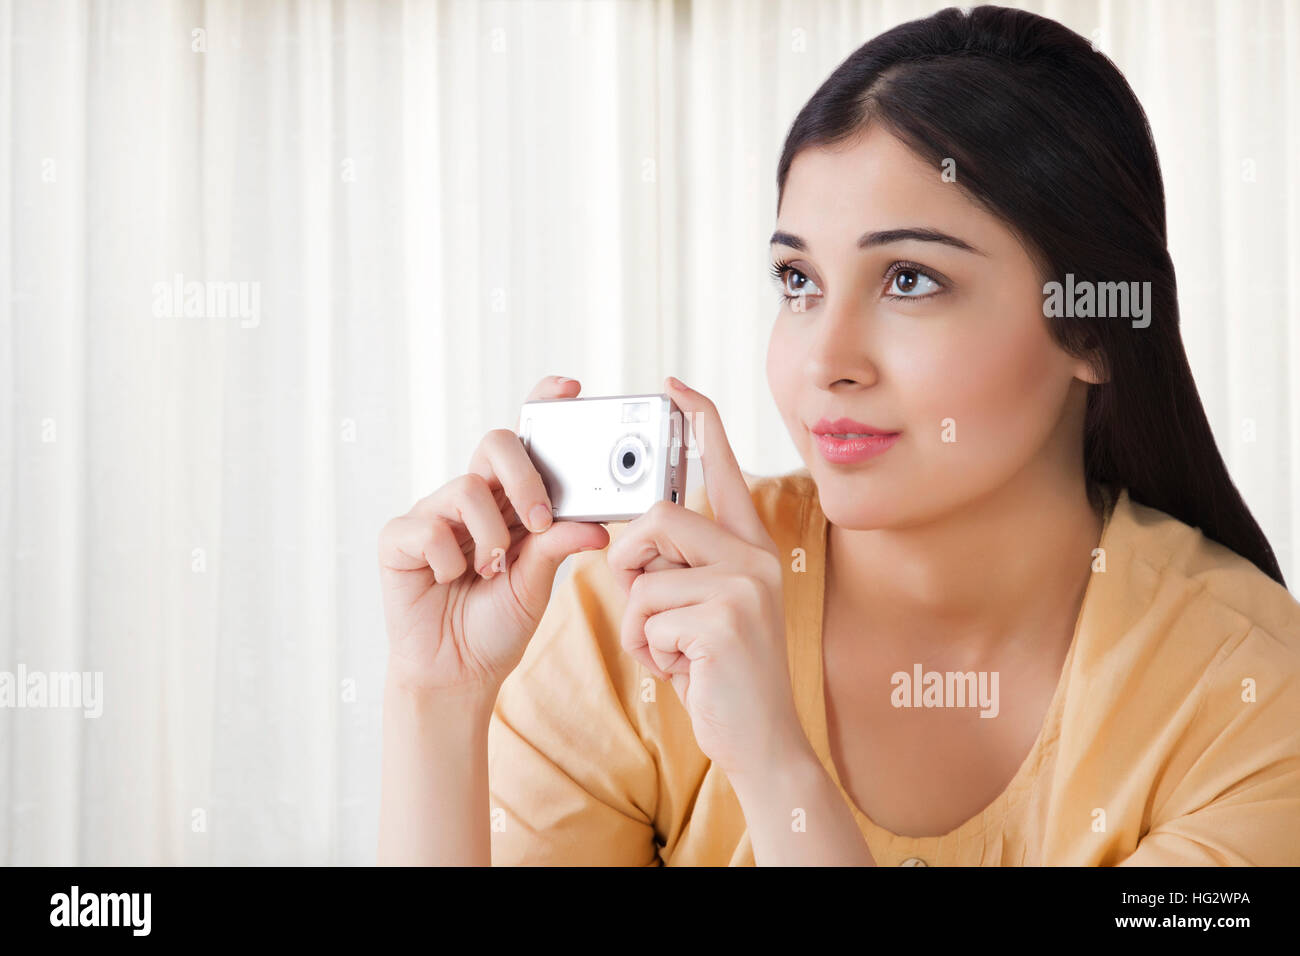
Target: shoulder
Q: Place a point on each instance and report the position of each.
(1185, 681)
(1184, 649)
(1208, 595)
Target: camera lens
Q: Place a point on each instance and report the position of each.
(629, 458)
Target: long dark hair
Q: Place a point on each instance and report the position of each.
(1045, 133)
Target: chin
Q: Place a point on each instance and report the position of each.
(854, 501)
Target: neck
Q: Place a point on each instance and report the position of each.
(1014, 562)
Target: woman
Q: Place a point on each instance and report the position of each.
(1013, 611)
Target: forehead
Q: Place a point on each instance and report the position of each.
(872, 182)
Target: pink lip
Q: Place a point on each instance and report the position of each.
(842, 425)
(844, 451)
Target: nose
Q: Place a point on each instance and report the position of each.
(840, 354)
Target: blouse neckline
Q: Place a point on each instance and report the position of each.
(810, 686)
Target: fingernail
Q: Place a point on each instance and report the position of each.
(561, 380)
(539, 518)
(675, 383)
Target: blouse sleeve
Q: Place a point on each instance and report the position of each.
(571, 780)
(1238, 801)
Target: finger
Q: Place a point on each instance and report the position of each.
(518, 535)
(674, 533)
(652, 594)
(468, 501)
(504, 469)
(728, 493)
(660, 563)
(682, 684)
(414, 542)
(671, 635)
(642, 654)
(500, 457)
(554, 386)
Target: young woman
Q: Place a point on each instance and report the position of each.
(1012, 611)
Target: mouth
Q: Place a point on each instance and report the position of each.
(844, 441)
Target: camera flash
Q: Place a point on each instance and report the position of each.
(636, 412)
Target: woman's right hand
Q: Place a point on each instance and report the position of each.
(464, 581)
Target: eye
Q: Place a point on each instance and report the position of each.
(907, 280)
(794, 285)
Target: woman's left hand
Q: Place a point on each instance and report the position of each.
(706, 610)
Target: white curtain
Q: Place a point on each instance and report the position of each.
(397, 217)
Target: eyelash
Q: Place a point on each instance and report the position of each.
(783, 266)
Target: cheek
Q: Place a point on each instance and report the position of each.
(783, 360)
(1002, 385)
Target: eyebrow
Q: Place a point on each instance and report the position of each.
(884, 237)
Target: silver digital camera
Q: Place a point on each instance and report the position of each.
(606, 458)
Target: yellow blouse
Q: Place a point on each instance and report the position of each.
(1173, 736)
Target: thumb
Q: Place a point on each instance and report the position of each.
(541, 555)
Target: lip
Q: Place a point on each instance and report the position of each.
(843, 425)
(845, 451)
